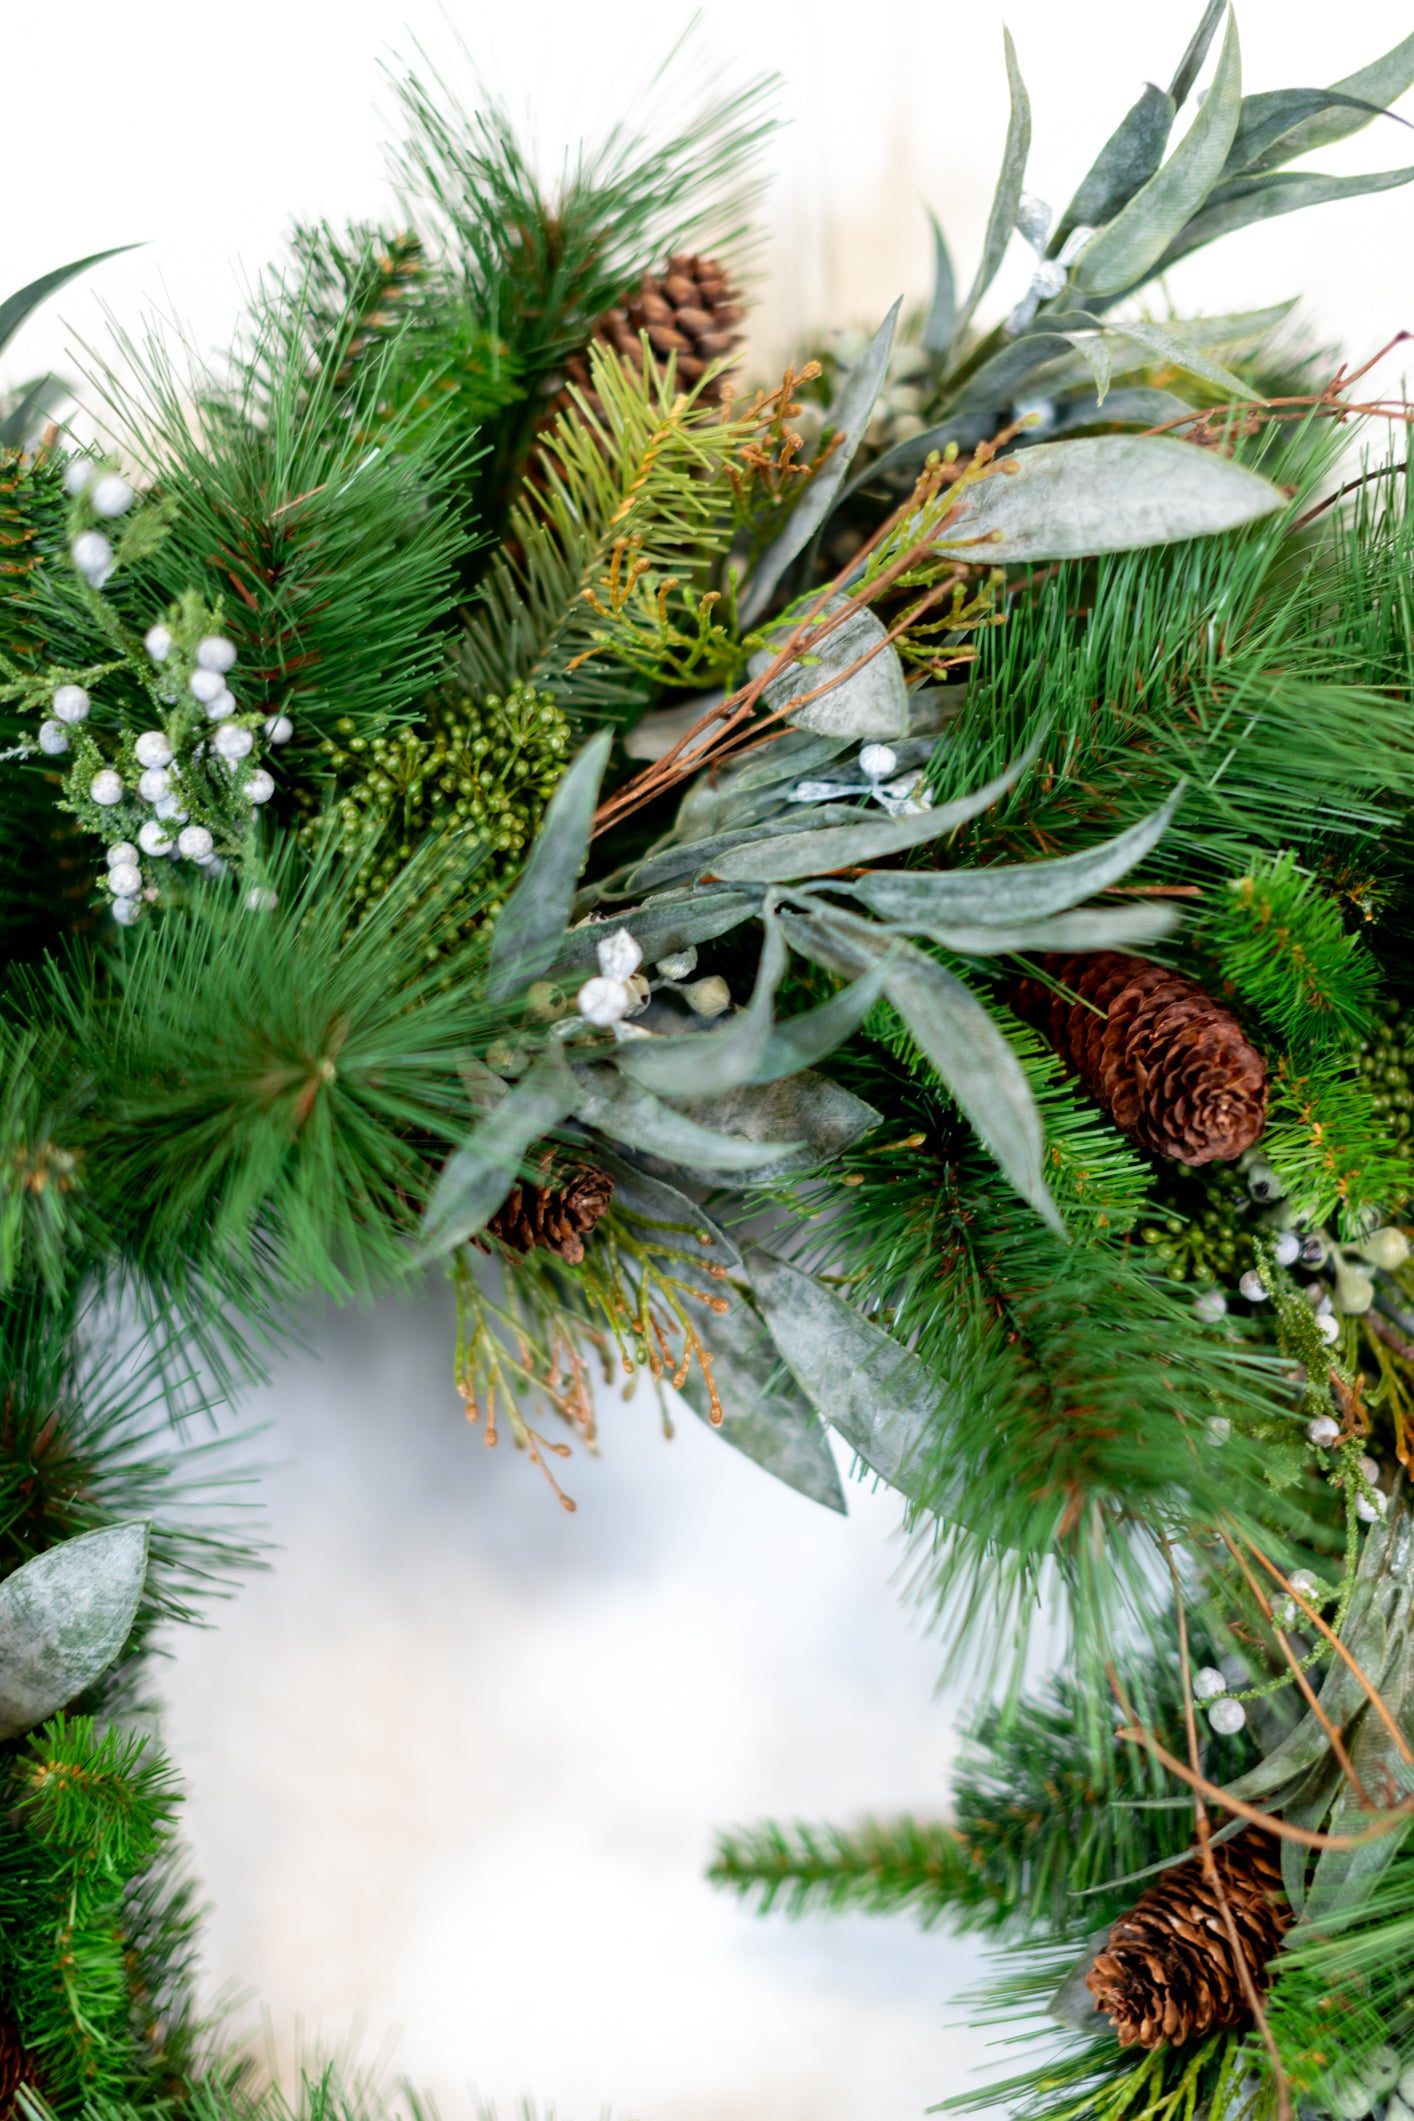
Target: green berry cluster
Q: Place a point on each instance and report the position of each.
(486, 768)
(1212, 1240)
(1386, 1062)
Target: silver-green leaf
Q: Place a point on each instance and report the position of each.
(528, 930)
(823, 1118)
(871, 701)
(700, 1064)
(477, 1177)
(941, 320)
(1373, 87)
(1128, 159)
(64, 1617)
(765, 1415)
(1125, 252)
(630, 1114)
(1007, 197)
(1106, 493)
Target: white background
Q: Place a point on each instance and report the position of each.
(456, 1761)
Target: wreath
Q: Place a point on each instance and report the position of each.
(879, 900)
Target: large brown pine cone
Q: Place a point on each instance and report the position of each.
(557, 1218)
(1168, 1971)
(1171, 1066)
(691, 310)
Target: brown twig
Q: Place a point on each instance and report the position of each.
(1372, 1691)
(1135, 1734)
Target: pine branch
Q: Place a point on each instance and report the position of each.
(1330, 1144)
(881, 1867)
(1280, 940)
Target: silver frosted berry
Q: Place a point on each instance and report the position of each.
(205, 685)
(619, 955)
(153, 839)
(216, 653)
(1328, 1328)
(126, 911)
(1210, 1305)
(125, 879)
(1227, 1716)
(154, 784)
(223, 704)
(260, 787)
(106, 788)
(93, 556)
(1208, 1683)
(121, 851)
(195, 842)
(71, 704)
(1253, 1287)
(232, 742)
(111, 495)
(153, 749)
(158, 643)
(279, 728)
(53, 739)
(1323, 1431)
(1287, 1249)
(77, 473)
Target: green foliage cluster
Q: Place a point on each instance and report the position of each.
(1282, 943)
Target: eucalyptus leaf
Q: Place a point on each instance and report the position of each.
(1005, 200)
(700, 1065)
(1162, 344)
(799, 1041)
(830, 847)
(874, 1392)
(1372, 88)
(1073, 2005)
(665, 1220)
(749, 788)
(1128, 159)
(1091, 928)
(849, 415)
(628, 1113)
(1253, 199)
(64, 1617)
(1105, 493)
(824, 1117)
(680, 863)
(962, 1042)
(1021, 364)
(1003, 895)
(1126, 251)
(1268, 119)
(1191, 64)
(1234, 333)
(670, 921)
(941, 320)
(871, 701)
(17, 307)
(31, 409)
(477, 1177)
(529, 927)
(765, 1415)
(1122, 408)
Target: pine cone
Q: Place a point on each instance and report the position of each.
(1174, 1070)
(557, 1218)
(16, 2065)
(1168, 1970)
(691, 310)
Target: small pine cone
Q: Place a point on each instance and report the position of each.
(691, 310)
(556, 1218)
(1174, 1070)
(1168, 1971)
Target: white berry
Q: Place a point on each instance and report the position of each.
(619, 955)
(170, 806)
(53, 739)
(106, 788)
(708, 997)
(206, 684)
(93, 557)
(1208, 1683)
(1219, 1428)
(260, 787)
(152, 839)
(71, 703)
(112, 495)
(153, 749)
(126, 911)
(1370, 1508)
(1287, 1248)
(1227, 1717)
(279, 728)
(1252, 1286)
(125, 879)
(1210, 1305)
(223, 704)
(77, 473)
(121, 851)
(1329, 1329)
(878, 761)
(1323, 1431)
(154, 784)
(195, 842)
(604, 1001)
(216, 653)
(158, 643)
(231, 742)
(261, 899)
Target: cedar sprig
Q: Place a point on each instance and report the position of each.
(1281, 941)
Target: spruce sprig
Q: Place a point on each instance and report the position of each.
(1281, 941)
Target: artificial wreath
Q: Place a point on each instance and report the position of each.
(877, 899)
